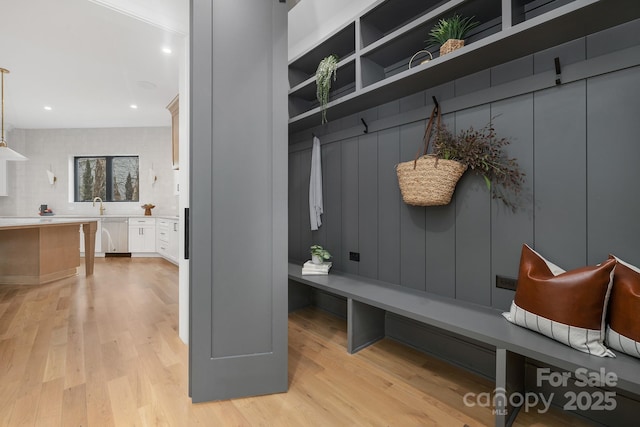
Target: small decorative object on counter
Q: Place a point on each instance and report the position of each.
(449, 33)
(147, 208)
(45, 211)
(311, 269)
(319, 264)
(319, 254)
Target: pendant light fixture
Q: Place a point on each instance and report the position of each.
(6, 153)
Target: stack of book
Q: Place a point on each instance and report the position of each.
(310, 269)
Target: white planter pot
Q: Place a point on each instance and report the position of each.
(316, 259)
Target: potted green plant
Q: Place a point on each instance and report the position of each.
(324, 74)
(483, 153)
(319, 254)
(449, 33)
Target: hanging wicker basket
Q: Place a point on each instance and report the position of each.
(428, 180)
(431, 182)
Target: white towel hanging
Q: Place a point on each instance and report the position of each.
(315, 186)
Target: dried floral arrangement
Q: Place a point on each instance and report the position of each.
(483, 153)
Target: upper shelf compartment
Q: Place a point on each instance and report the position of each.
(392, 15)
(342, 43)
(302, 98)
(523, 10)
(391, 55)
(509, 29)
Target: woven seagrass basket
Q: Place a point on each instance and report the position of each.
(429, 181)
(451, 45)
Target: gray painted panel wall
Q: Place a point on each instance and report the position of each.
(349, 186)
(557, 135)
(388, 206)
(440, 250)
(613, 152)
(368, 205)
(560, 174)
(511, 230)
(473, 224)
(306, 239)
(332, 198)
(412, 218)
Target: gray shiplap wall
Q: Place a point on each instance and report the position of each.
(577, 143)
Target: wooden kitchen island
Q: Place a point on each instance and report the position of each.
(39, 250)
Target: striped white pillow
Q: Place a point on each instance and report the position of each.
(623, 331)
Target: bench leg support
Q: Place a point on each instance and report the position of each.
(300, 296)
(509, 380)
(365, 325)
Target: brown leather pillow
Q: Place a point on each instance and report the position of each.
(568, 306)
(623, 333)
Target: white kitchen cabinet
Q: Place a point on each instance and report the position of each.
(142, 235)
(167, 239)
(176, 182)
(174, 240)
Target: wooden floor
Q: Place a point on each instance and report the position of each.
(104, 351)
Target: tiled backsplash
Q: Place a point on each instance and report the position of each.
(52, 149)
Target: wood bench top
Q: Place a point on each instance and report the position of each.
(470, 320)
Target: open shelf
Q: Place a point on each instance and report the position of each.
(342, 43)
(393, 57)
(524, 10)
(392, 15)
(303, 97)
(509, 30)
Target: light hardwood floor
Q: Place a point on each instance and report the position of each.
(104, 351)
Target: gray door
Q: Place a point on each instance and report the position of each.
(238, 218)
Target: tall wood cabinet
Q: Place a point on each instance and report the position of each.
(175, 151)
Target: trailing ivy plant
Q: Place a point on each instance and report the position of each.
(483, 153)
(326, 70)
(455, 27)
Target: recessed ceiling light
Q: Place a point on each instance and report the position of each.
(133, 106)
(48, 108)
(166, 50)
(144, 84)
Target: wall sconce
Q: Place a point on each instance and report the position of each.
(152, 176)
(51, 177)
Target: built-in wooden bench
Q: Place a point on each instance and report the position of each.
(368, 300)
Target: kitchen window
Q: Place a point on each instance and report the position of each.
(112, 178)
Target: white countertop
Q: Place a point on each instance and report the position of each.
(80, 217)
(8, 222)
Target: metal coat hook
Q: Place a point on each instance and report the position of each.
(435, 102)
(558, 70)
(366, 127)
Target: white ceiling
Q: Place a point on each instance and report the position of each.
(90, 62)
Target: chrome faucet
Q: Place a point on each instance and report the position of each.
(102, 208)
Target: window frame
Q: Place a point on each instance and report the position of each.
(108, 176)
